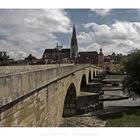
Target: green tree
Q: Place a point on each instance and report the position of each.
(131, 66)
(4, 58)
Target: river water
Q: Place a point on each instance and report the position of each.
(91, 120)
(126, 102)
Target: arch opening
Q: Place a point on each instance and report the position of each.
(83, 83)
(93, 73)
(70, 103)
(89, 76)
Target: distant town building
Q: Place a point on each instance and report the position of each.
(112, 62)
(30, 57)
(49, 56)
(74, 45)
(115, 67)
(88, 57)
(53, 55)
(32, 60)
(107, 63)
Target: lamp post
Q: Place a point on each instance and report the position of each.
(59, 49)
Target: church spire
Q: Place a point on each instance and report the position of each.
(74, 32)
(74, 45)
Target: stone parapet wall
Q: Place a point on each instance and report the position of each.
(4, 70)
(17, 85)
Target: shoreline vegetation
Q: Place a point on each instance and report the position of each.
(129, 117)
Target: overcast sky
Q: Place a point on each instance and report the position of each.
(32, 31)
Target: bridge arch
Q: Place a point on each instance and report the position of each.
(89, 76)
(70, 103)
(83, 83)
(93, 73)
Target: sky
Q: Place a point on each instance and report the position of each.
(25, 31)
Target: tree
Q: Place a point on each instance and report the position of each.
(30, 58)
(131, 66)
(4, 58)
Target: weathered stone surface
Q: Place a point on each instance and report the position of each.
(17, 69)
(5, 85)
(39, 96)
(32, 81)
(25, 83)
(16, 87)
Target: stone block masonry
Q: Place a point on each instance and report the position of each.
(36, 98)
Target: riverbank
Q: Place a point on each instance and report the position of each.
(121, 117)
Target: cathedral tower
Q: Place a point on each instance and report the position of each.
(74, 45)
(101, 59)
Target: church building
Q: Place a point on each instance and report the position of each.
(74, 45)
(67, 55)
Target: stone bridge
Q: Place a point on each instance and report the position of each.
(41, 95)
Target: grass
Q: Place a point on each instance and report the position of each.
(129, 118)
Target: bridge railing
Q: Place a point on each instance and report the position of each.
(14, 86)
(4, 70)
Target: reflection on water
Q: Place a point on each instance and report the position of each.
(88, 116)
(126, 102)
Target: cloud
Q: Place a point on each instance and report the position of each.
(52, 21)
(85, 38)
(91, 47)
(31, 31)
(102, 12)
(18, 54)
(120, 37)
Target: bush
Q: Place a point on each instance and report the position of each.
(132, 68)
(4, 59)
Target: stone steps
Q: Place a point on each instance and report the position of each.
(112, 97)
(111, 88)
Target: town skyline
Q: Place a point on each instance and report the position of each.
(70, 67)
(32, 31)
